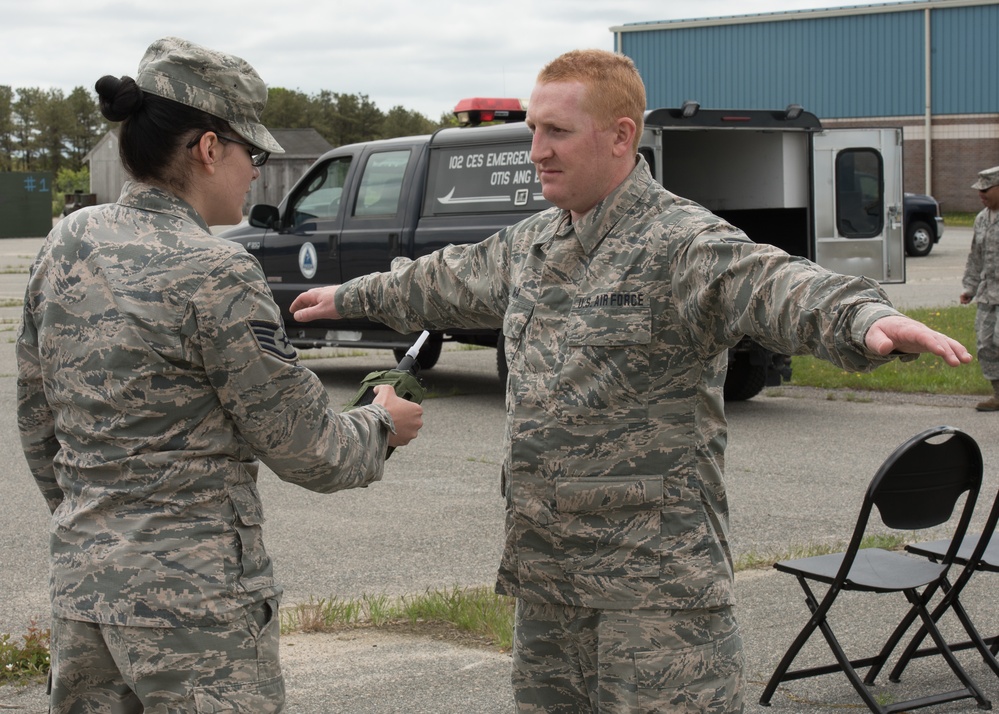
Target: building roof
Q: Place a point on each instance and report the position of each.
(300, 143)
(853, 10)
(297, 144)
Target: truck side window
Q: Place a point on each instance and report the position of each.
(381, 184)
(321, 196)
(859, 193)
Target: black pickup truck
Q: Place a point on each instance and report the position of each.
(923, 223)
(778, 175)
(398, 207)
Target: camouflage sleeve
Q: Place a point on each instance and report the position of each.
(729, 286)
(976, 258)
(35, 420)
(280, 408)
(456, 286)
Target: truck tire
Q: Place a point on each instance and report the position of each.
(918, 239)
(502, 368)
(744, 379)
(429, 353)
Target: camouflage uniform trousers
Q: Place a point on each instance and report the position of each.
(987, 330)
(110, 669)
(571, 660)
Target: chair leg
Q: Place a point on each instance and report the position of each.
(931, 628)
(806, 632)
(988, 654)
(975, 639)
(848, 670)
(903, 627)
(818, 621)
(818, 615)
(891, 644)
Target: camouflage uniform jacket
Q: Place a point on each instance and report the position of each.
(616, 330)
(981, 272)
(152, 371)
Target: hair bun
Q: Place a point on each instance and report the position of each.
(119, 97)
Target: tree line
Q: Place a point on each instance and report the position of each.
(47, 130)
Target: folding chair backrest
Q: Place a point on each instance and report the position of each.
(920, 484)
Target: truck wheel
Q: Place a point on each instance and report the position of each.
(918, 239)
(502, 368)
(744, 379)
(429, 353)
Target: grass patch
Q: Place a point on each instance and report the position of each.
(961, 220)
(27, 660)
(477, 614)
(927, 374)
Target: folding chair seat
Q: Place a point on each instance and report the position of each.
(919, 486)
(977, 552)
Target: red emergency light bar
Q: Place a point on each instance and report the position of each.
(478, 110)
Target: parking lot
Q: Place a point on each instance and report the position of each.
(797, 464)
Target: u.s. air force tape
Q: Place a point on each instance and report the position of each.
(272, 338)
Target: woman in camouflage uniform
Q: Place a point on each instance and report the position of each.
(153, 373)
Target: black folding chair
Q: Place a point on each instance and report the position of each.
(917, 487)
(977, 552)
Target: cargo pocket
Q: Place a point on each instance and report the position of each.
(700, 678)
(610, 526)
(264, 697)
(253, 559)
(605, 373)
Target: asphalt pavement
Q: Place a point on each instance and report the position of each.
(797, 464)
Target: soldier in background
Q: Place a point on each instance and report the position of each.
(981, 282)
(617, 308)
(153, 373)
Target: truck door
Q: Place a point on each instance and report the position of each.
(374, 232)
(303, 255)
(858, 202)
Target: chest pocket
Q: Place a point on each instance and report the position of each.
(605, 372)
(514, 321)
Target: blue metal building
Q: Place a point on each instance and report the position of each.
(927, 65)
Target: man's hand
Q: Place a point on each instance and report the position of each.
(897, 333)
(407, 415)
(315, 304)
(966, 298)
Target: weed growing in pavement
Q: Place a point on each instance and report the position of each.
(27, 660)
(476, 612)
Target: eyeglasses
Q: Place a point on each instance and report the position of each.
(258, 157)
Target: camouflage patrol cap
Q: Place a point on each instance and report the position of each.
(987, 179)
(222, 85)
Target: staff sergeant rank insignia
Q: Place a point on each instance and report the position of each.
(271, 337)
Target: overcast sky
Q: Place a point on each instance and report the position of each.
(422, 54)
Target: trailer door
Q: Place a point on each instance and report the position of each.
(858, 202)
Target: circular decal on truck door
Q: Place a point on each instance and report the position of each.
(308, 261)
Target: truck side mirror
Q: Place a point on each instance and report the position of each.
(264, 216)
